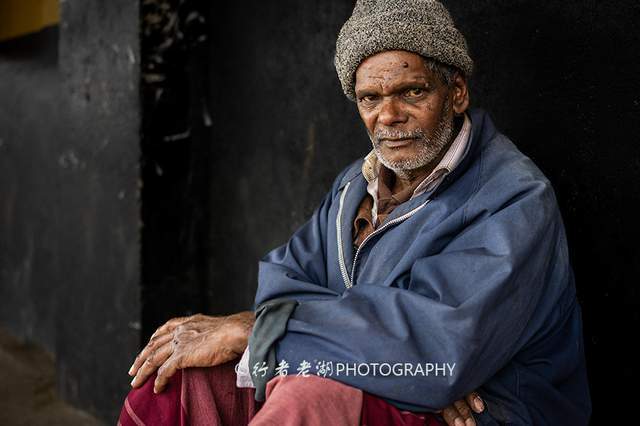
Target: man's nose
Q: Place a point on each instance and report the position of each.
(391, 112)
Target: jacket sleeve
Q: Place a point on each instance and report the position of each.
(469, 304)
(297, 270)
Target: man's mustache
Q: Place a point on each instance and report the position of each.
(398, 134)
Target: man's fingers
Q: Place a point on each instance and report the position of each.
(151, 364)
(475, 402)
(168, 369)
(154, 344)
(452, 417)
(169, 326)
(465, 412)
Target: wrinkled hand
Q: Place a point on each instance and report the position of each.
(195, 341)
(460, 413)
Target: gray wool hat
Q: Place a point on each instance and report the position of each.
(424, 27)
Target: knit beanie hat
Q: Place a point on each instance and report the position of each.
(420, 26)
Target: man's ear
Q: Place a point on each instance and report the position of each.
(460, 94)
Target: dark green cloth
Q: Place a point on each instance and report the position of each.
(271, 324)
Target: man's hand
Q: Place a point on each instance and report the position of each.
(460, 412)
(195, 341)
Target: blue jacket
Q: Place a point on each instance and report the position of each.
(476, 273)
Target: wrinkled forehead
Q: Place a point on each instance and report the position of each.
(391, 67)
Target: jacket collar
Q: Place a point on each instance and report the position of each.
(482, 129)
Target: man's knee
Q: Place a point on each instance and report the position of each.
(307, 386)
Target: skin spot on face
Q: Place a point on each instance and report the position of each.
(405, 65)
(430, 106)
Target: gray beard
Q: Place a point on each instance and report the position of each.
(429, 146)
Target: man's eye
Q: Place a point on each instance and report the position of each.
(368, 98)
(414, 93)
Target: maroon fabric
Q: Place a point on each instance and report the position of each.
(378, 412)
(143, 407)
(310, 400)
(209, 396)
(194, 396)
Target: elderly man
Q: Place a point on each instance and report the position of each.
(432, 280)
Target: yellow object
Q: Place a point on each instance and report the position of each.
(20, 17)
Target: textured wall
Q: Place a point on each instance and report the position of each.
(69, 216)
(175, 166)
(559, 78)
(282, 131)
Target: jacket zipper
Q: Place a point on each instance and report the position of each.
(379, 230)
(348, 281)
(343, 267)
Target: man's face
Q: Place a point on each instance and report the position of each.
(407, 110)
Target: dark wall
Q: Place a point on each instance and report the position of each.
(69, 216)
(175, 162)
(28, 67)
(282, 131)
(559, 78)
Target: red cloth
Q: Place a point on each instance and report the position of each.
(195, 396)
(317, 400)
(142, 407)
(209, 396)
(378, 412)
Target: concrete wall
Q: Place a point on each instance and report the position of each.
(282, 130)
(69, 216)
(175, 163)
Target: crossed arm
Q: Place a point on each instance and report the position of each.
(202, 341)
(207, 341)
